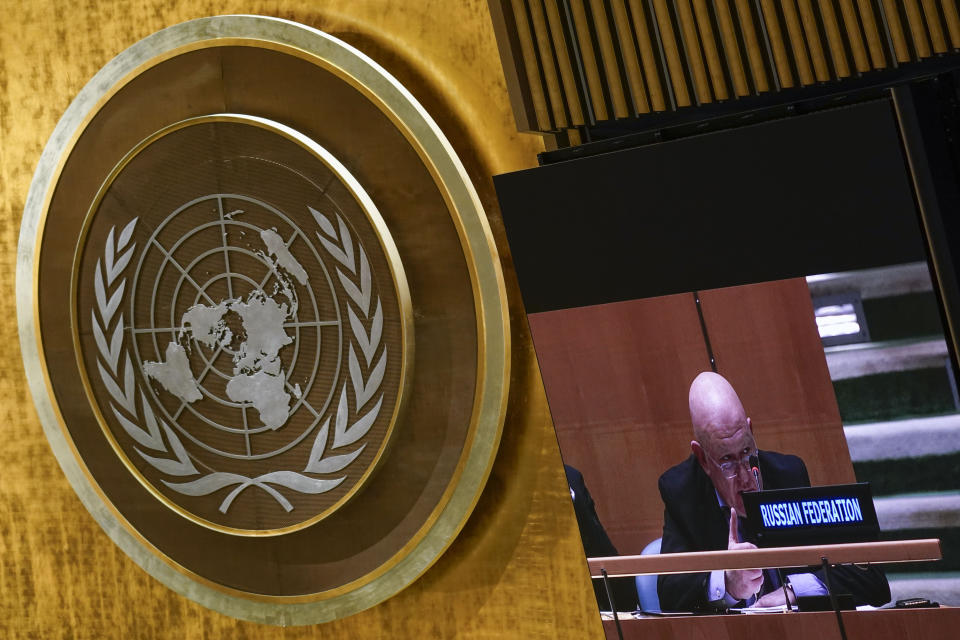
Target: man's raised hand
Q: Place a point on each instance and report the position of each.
(741, 583)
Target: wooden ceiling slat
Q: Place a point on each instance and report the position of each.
(918, 32)
(812, 34)
(585, 62)
(938, 38)
(851, 23)
(711, 52)
(953, 21)
(872, 33)
(589, 59)
(797, 42)
(629, 54)
(608, 57)
(651, 69)
(668, 34)
(901, 46)
(731, 48)
(573, 92)
(548, 63)
(691, 46)
(527, 47)
(835, 38)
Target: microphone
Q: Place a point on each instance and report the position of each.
(755, 468)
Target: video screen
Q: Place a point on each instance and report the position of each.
(848, 372)
(758, 297)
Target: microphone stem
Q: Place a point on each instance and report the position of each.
(755, 468)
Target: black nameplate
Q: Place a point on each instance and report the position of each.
(811, 515)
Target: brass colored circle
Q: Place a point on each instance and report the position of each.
(324, 94)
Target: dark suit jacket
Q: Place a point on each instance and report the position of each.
(596, 544)
(693, 520)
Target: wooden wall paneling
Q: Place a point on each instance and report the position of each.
(516, 570)
(548, 63)
(798, 44)
(687, 27)
(629, 53)
(811, 31)
(609, 58)
(711, 51)
(852, 24)
(892, 19)
(588, 55)
(765, 342)
(671, 48)
(918, 32)
(653, 72)
(731, 48)
(756, 52)
(835, 39)
(953, 21)
(702, 51)
(617, 377)
(872, 33)
(932, 15)
(575, 98)
(778, 43)
(514, 68)
(528, 52)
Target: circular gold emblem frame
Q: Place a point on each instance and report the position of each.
(486, 406)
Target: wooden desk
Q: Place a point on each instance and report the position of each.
(892, 624)
(696, 561)
(885, 624)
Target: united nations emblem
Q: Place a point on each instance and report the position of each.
(247, 329)
(284, 375)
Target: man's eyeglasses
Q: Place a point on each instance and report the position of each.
(731, 467)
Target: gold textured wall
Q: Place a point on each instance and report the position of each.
(516, 571)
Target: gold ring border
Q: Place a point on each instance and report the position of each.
(397, 273)
(463, 491)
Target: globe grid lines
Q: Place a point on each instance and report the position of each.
(345, 432)
(222, 223)
(220, 347)
(257, 287)
(202, 290)
(261, 286)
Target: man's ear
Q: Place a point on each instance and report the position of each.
(698, 452)
(749, 425)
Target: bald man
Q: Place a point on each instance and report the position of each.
(703, 507)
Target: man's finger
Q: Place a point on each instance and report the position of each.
(734, 535)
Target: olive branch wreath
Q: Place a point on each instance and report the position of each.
(354, 275)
